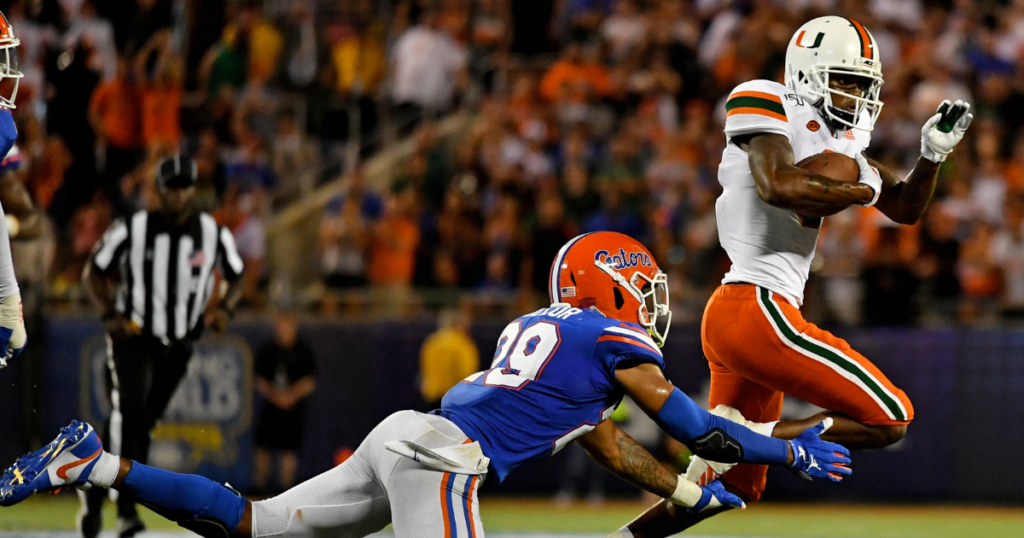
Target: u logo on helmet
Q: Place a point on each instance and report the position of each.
(623, 260)
(828, 47)
(817, 40)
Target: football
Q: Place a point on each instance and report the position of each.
(832, 165)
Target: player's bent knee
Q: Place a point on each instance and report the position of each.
(883, 435)
(892, 433)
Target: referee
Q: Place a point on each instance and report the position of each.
(152, 275)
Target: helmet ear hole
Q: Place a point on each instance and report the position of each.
(619, 301)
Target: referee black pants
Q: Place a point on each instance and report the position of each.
(144, 373)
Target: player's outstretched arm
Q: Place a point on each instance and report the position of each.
(781, 184)
(616, 451)
(717, 439)
(905, 201)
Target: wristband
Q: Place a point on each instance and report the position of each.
(687, 493)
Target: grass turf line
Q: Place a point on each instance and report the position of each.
(44, 512)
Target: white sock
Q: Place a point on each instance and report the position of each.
(621, 533)
(105, 471)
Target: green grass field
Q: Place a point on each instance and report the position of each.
(47, 513)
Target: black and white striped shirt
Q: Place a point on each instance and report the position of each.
(166, 272)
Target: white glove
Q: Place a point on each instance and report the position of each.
(943, 131)
(869, 176)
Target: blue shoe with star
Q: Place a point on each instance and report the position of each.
(65, 462)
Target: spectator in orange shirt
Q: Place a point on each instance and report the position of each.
(160, 95)
(114, 116)
(395, 238)
(393, 245)
(574, 79)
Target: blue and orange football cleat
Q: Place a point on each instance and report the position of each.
(65, 462)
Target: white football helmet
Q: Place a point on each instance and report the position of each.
(835, 46)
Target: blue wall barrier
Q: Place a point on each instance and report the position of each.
(964, 444)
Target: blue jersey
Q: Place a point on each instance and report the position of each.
(551, 381)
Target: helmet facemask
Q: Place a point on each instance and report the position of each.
(653, 313)
(816, 83)
(10, 77)
(654, 306)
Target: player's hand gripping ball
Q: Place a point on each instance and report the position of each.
(815, 458)
(943, 131)
(869, 176)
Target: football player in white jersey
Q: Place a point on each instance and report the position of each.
(758, 345)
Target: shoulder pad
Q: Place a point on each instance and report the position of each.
(628, 337)
(756, 106)
(764, 86)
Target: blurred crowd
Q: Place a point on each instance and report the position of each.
(267, 96)
(622, 130)
(589, 115)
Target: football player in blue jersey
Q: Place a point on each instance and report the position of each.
(556, 376)
(18, 217)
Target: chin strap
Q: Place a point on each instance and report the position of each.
(620, 280)
(836, 128)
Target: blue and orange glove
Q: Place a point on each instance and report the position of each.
(815, 458)
(696, 498)
(715, 495)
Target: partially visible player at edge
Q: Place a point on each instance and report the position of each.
(758, 345)
(21, 219)
(557, 375)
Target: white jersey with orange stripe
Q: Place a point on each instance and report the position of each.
(769, 246)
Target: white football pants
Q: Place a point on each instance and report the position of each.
(376, 486)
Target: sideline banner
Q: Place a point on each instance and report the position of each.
(206, 421)
(966, 386)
